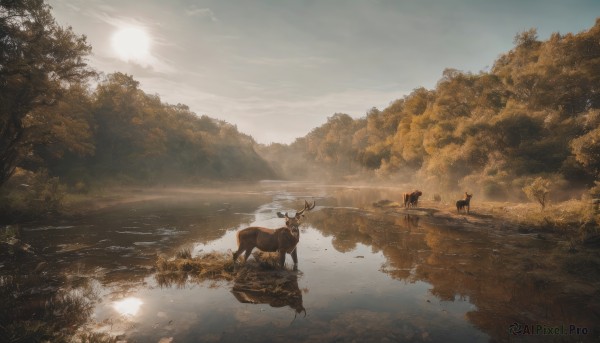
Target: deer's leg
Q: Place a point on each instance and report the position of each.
(248, 252)
(281, 258)
(295, 258)
(237, 254)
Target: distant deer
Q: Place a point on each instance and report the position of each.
(464, 204)
(282, 240)
(412, 199)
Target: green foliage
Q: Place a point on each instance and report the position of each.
(538, 190)
(39, 61)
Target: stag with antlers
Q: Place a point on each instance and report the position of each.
(282, 240)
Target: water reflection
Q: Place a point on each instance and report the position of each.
(41, 306)
(508, 279)
(128, 307)
(373, 274)
(277, 289)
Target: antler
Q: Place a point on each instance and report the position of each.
(306, 207)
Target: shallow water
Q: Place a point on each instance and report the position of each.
(364, 276)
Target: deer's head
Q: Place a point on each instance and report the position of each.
(293, 222)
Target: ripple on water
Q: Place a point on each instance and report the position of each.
(46, 228)
(134, 232)
(169, 231)
(119, 248)
(144, 243)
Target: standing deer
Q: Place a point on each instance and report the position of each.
(282, 240)
(412, 199)
(465, 203)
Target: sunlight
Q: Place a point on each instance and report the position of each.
(128, 306)
(131, 44)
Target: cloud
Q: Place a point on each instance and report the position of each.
(195, 11)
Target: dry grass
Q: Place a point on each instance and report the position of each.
(577, 218)
(212, 265)
(215, 267)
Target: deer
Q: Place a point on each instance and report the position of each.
(282, 240)
(464, 204)
(412, 199)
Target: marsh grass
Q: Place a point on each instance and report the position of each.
(258, 280)
(34, 309)
(259, 272)
(9, 233)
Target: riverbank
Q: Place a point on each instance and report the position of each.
(575, 221)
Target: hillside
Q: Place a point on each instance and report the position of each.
(536, 113)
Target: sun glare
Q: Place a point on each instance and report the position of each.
(128, 306)
(131, 44)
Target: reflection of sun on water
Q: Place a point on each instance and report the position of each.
(128, 306)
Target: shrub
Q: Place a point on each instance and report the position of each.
(538, 190)
(31, 195)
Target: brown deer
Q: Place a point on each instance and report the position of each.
(282, 240)
(464, 204)
(412, 199)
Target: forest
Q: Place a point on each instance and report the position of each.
(65, 127)
(534, 115)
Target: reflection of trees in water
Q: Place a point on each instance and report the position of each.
(40, 306)
(395, 236)
(506, 280)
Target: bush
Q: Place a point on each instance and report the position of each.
(538, 190)
(30, 195)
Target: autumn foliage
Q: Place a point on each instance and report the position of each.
(535, 113)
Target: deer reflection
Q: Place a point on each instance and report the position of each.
(278, 289)
(411, 222)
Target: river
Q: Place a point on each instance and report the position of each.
(364, 275)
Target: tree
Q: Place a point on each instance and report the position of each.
(526, 38)
(587, 151)
(538, 191)
(39, 60)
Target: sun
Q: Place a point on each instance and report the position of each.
(131, 44)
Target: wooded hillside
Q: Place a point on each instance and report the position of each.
(55, 124)
(59, 133)
(535, 113)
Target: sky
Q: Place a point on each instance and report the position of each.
(279, 68)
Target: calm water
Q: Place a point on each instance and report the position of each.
(364, 275)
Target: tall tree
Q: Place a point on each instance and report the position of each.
(39, 60)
